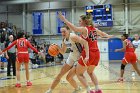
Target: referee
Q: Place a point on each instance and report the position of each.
(11, 56)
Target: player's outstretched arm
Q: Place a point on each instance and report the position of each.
(30, 46)
(103, 34)
(13, 43)
(122, 49)
(82, 30)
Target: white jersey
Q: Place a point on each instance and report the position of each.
(136, 44)
(74, 53)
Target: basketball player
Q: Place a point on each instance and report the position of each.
(74, 55)
(129, 57)
(136, 44)
(22, 56)
(89, 33)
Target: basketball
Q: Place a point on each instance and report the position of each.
(53, 50)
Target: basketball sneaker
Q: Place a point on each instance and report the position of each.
(29, 83)
(48, 91)
(18, 85)
(133, 74)
(77, 90)
(98, 91)
(91, 91)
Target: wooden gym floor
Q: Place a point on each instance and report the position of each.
(43, 77)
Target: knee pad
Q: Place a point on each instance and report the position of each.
(122, 66)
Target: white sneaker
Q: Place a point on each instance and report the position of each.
(48, 91)
(77, 90)
(133, 74)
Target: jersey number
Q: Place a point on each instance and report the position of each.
(93, 35)
(22, 43)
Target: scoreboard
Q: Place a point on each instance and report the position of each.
(102, 14)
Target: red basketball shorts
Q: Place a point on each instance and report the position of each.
(22, 57)
(129, 57)
(94, 57)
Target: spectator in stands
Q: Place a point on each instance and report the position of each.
(2, 39)
(3, 32)
(14, 29)
(0, 59)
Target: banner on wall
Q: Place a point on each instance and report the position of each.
(59, 22)
(37, 22)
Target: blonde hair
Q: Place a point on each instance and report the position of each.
(87, 19)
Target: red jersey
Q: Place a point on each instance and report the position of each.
(94, 54)
(129, 46)
(130, 56)
(22, 46)
(91, 38)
